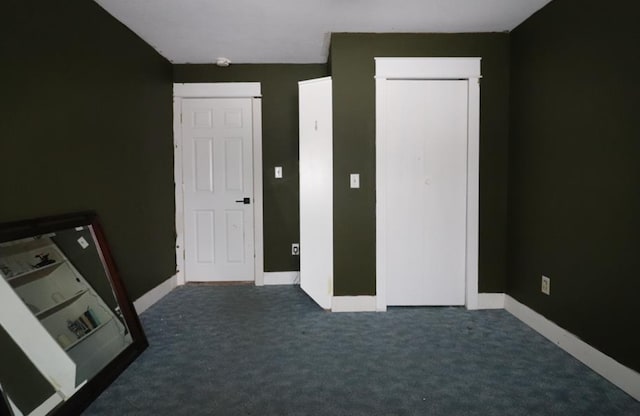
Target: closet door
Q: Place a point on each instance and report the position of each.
(426, 179)
(316, 190)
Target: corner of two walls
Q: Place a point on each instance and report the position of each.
(88, 126)
(279, 146)
(86, 116)
(352, 67)
(547, 121)
(573, 174)
(352, 63)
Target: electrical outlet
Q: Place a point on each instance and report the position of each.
(295, 249)
(546, 285)
(83, 243)
(354, 180)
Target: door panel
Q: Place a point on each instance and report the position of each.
(426, 192)
(217, 173)
(235, 236)
(233, 163)
(203, 157)
(316, 191)
(205, 240)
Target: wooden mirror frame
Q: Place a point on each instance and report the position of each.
(79, 401)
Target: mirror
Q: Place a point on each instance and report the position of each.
(67, 327)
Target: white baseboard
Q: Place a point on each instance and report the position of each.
(282, 278)
(625, 378)
(353, 304)
(145, 301)
(490, 301)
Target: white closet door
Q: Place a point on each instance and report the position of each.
(217, 160)
(316, 190)
(426, 191)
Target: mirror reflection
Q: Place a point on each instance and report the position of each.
(61, 322)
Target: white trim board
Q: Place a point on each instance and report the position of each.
(220, 90)
(281, 278)
(258, 215)
(420, 69)
(490, 300)
(147, 300)
(217, 90)
(314, 80)
(625, 378)
(428, 68)
(353, 304)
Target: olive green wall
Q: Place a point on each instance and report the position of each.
(86, 260)
(279, 147)
(574, 193)
(352, 60)
(86, 124)
(21, 380)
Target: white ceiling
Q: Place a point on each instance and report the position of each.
(298, 31)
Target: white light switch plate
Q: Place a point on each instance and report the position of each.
(355, 180)
(278, 172)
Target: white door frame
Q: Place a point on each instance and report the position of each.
(388, 69)
(220, 90)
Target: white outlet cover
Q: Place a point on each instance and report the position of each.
(83, 243)
(546, 285)
(278, 172)
(355, 180)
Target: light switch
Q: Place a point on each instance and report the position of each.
(278, 172)
(355, 180)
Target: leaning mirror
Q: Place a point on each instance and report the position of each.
(68, 327)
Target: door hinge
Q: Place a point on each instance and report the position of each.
(180, 118)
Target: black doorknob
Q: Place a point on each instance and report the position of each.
(245, 200)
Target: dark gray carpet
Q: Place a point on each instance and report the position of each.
(243, 350)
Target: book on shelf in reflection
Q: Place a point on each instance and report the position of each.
(84, 324)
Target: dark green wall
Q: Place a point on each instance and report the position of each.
(21, 380)
(574, 187)
(279, 147)
(86, 261)
(86, 124)
(354, 148)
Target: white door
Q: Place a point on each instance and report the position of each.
(316, 190)
(426, 175)
(218, 189)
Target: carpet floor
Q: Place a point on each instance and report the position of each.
(244, 350)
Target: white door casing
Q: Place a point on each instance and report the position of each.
(389, 71)
(218, 158)
(426, 204)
